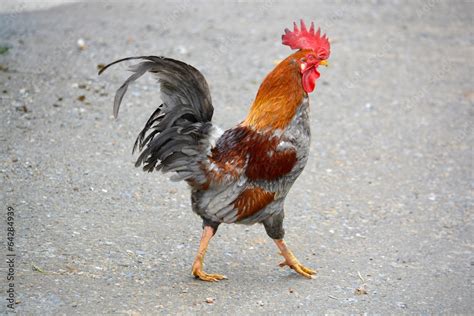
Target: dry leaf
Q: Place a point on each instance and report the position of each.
(361, 290)
(37, 269)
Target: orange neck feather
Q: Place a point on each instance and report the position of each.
(278, 97)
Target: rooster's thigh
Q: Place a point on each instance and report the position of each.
(274, 225)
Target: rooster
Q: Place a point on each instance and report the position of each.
(241, 175)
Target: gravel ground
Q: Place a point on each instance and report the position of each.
(385, 203)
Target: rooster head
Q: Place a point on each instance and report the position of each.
(316, 51)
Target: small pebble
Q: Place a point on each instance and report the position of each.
(81, 43)
(23, 109)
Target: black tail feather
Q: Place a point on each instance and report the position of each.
(176, 136)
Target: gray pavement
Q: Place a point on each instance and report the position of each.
(385, 204)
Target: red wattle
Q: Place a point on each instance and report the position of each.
(309, 79)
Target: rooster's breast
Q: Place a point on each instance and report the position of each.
(252, 172)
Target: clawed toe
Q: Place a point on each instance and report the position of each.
(304, 271)
(300, 269)
(208, 277)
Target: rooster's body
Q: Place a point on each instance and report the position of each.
(243, 174)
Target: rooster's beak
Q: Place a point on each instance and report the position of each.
(324, 63)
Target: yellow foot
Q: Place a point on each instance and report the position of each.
(198, 264)
(299, 268)
(199, 274)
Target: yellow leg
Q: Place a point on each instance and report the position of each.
(291, 261)
(207, 234)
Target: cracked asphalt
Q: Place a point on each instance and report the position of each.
(383, 210)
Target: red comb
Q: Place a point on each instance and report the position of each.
(307, 39)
